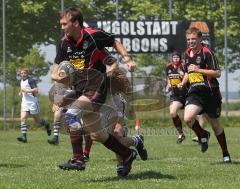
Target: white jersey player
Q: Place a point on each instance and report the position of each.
(29, 105)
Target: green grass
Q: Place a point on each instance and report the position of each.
(34, 165)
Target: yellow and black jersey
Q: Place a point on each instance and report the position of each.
(205, 59)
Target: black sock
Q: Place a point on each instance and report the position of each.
(222, 142)
(178, 124)
(114, 145)
(199, 131)
(88, 144)
(76, 141)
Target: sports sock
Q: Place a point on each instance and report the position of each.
(199, 131)
(178, 124)
(88, 144)
(114, 145)
(222, 142)
(24, 130)
(76, 141)
(56, 127)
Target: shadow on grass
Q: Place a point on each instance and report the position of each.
(138, 159)
(11, 165)
(221, 163)
(142, 175)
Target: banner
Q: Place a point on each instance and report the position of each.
(155, 36)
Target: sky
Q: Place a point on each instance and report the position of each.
(50, 52)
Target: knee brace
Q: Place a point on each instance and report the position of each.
(73, 118)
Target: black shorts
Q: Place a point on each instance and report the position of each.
(210, 101)
(181, 99)
(97, 96)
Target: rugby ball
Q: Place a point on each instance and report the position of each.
(65, 69)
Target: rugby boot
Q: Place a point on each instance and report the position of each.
(140, 147)
(127, 164)
(204, 141)
(73, 164)
(54, 140)
(180, 139)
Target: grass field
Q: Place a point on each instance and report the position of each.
(34, 165)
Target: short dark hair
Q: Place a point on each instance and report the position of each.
(194, 30)
(176, 53)
(75, 14)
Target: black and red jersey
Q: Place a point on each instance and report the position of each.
(88, 52)
(205, 59)
(175, 74)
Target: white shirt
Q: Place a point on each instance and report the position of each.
(28, 83)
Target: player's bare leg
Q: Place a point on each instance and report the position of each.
(190, 113)
(174, 108)
(43, 123)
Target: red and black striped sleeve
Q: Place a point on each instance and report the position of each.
(210, 59)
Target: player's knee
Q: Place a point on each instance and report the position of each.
(188, 120)
(23, 120)
(173, 113)
(117, 131)
(57, 115)
(93, 136)
(99, 136)
(216, 128)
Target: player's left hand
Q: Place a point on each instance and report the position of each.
(130, 66)
(63, 79)
(55, 108)
(180, 85)
(193, 68)
(24, 90)
(168, 89)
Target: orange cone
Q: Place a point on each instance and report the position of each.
(137, 125)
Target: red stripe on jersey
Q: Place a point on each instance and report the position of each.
(91, 31)
(81, 38)
(78, 41)
(206, 50)
(176, 66)
(97, 55)
(188, 50)
(214, 61)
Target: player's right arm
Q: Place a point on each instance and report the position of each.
(112, 67)
(130, 64)
(104, 39)
(54, 74)
(20, 92)
(184, 81)
(55, 108)
(58, 59)
(168, 87)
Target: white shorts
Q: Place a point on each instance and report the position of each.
(31, 107)
(113, 110)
